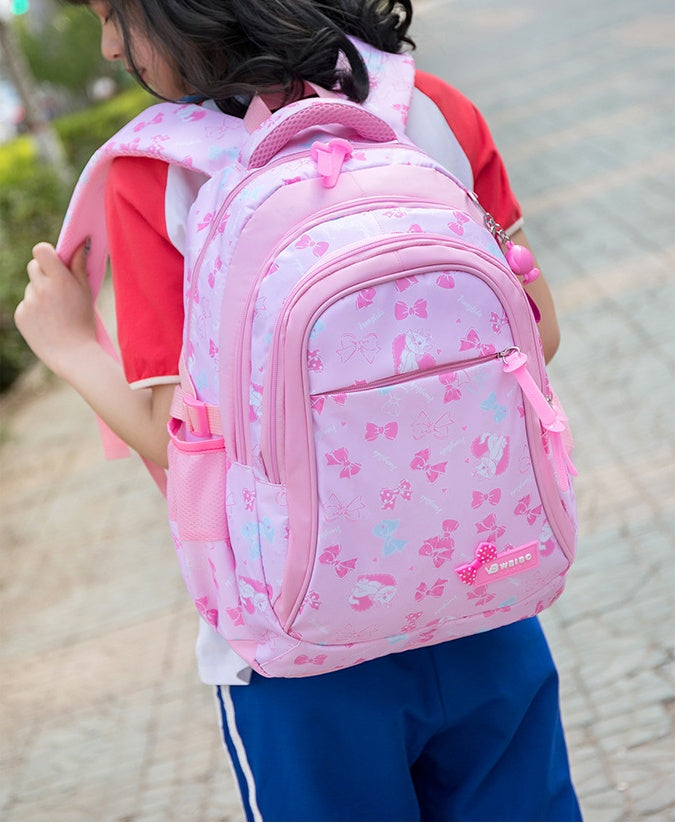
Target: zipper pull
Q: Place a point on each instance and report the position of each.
(329, 158)
(521, 262)
(553, 421)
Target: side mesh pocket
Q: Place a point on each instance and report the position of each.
(197, 485)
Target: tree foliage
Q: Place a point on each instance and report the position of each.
(32, 205)
(66, 53)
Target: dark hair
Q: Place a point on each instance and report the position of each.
(231, 49)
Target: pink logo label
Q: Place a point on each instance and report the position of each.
(490, 565)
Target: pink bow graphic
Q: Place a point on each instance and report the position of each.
(402, 310)
(303, 660)
(335, 508)
(314, 362)
(373, 431)
(421, 462)
(458, 226)
(249, 500)
(437, 590)
(389, 496)
(423, 425)
(236, 616)
(489, 524)
(365, 298)
(404, 283)
(440, 548)
(445, 280)
(492, 497)
(485, 553)
(452, 391)
(306, 242)
(210, 615)
(498, 321)
(350, 345)
(340, 457)
(329, 557)
(472, 341)
(530, 513)
(206, 221)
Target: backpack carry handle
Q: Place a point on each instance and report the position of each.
(283, 126)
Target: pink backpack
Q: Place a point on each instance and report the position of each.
(366, 455)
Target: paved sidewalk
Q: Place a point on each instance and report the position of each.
(103, 717)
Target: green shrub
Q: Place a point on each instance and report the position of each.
(32, 205)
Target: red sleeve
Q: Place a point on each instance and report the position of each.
(491, 182)
(147, 270)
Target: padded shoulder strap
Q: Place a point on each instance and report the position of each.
(189, 135)
(392, 80)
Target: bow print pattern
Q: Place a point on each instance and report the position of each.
(335, 509)
(492, 497)
(423, 425)
(404, 283)
(251, 534)
(385, 530)
(350, 344)
(365, 298)
(340, 457)
(389, 496)
(458, 226)
(485, 553)
(402, 311)
(451, 384)
(498, 321)
(490, 404)
(435, 590)
(329, 557)
(522, 509)
(236, 616)
(441, 547)
(490, 525)
(445, 280)
(373, 431)
(303, 660)
(210, 615)
(421, 462)
(306, 242)
(472, 341)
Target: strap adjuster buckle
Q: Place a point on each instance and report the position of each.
(197, 418)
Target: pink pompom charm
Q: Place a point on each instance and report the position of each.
(521, 261)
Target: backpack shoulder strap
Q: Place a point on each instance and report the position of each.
(392, 80)
(188, 135)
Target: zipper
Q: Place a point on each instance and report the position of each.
(254, 174)
(242, 354)
(407, 377)
(493, 274)
(326, 269)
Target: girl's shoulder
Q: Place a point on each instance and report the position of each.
(475, 158)
(460, 113)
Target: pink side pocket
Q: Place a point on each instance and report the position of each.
(197, 485)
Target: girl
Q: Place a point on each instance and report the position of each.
(467, 730)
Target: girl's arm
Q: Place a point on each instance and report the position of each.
(540, 293)
(56, 317)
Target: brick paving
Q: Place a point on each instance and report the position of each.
(103, 717)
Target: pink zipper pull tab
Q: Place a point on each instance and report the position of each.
(515, 362)
(555, 422)
(330, 158)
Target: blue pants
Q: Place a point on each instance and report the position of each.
(466, 730)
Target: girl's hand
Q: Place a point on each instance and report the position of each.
(56, 316)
